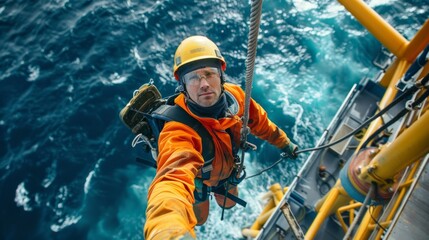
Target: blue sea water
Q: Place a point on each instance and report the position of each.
(67, 167)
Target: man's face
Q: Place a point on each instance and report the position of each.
(203, 85)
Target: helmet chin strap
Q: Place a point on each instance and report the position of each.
(222, 81)
(222, 78)
(187, 98)
(182, 89)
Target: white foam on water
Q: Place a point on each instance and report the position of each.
(303, 5)
(22, 197)
(34, 73)
(62, 215)
(51, 174)
(87, 185)
(114, 79)
(375, 3)
(65, 222)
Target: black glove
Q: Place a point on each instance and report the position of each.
(290, 151)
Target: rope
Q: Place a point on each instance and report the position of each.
(255, 20)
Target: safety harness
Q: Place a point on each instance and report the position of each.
(167, 113)
(151, 119)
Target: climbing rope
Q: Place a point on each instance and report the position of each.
(255, 20)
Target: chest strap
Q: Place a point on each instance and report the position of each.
(177, 114)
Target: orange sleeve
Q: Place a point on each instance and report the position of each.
(262, 127)
(259, 123)
(170, 197)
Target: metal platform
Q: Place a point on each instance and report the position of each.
(412, 222)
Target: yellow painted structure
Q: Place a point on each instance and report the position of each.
(408, 148)
(274, 196)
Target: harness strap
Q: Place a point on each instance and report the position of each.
(177, 114)
(222, 191)
(204, 191)
(202, 194)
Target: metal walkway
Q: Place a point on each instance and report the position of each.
(413, 222)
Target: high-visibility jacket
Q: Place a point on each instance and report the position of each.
(170, 197)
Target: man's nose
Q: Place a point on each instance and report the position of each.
(203, 81)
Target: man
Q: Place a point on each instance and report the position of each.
(173, 205)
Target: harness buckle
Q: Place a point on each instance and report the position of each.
(234, 179)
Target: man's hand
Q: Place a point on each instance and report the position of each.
(290, 151)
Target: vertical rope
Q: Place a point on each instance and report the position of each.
(255, 20)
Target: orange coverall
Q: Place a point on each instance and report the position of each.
(171, 195)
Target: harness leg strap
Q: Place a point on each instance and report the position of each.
(221, 191)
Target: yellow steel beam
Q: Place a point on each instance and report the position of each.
(351, 214)
(406, 52)
(364, 229)
(268, 207)
(407, 183)
(323, 213)
(277, 191)
(250, 233)
(375, 24)
(275, 194)
(418, 43)
(409, 147)
(336, 198)
(350, 207)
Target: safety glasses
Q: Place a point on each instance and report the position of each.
(193, 78)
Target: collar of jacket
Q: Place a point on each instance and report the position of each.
(234, 112)
(218, 110)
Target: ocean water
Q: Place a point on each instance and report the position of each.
(67, 168)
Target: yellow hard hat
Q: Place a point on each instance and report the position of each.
(193, 49)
